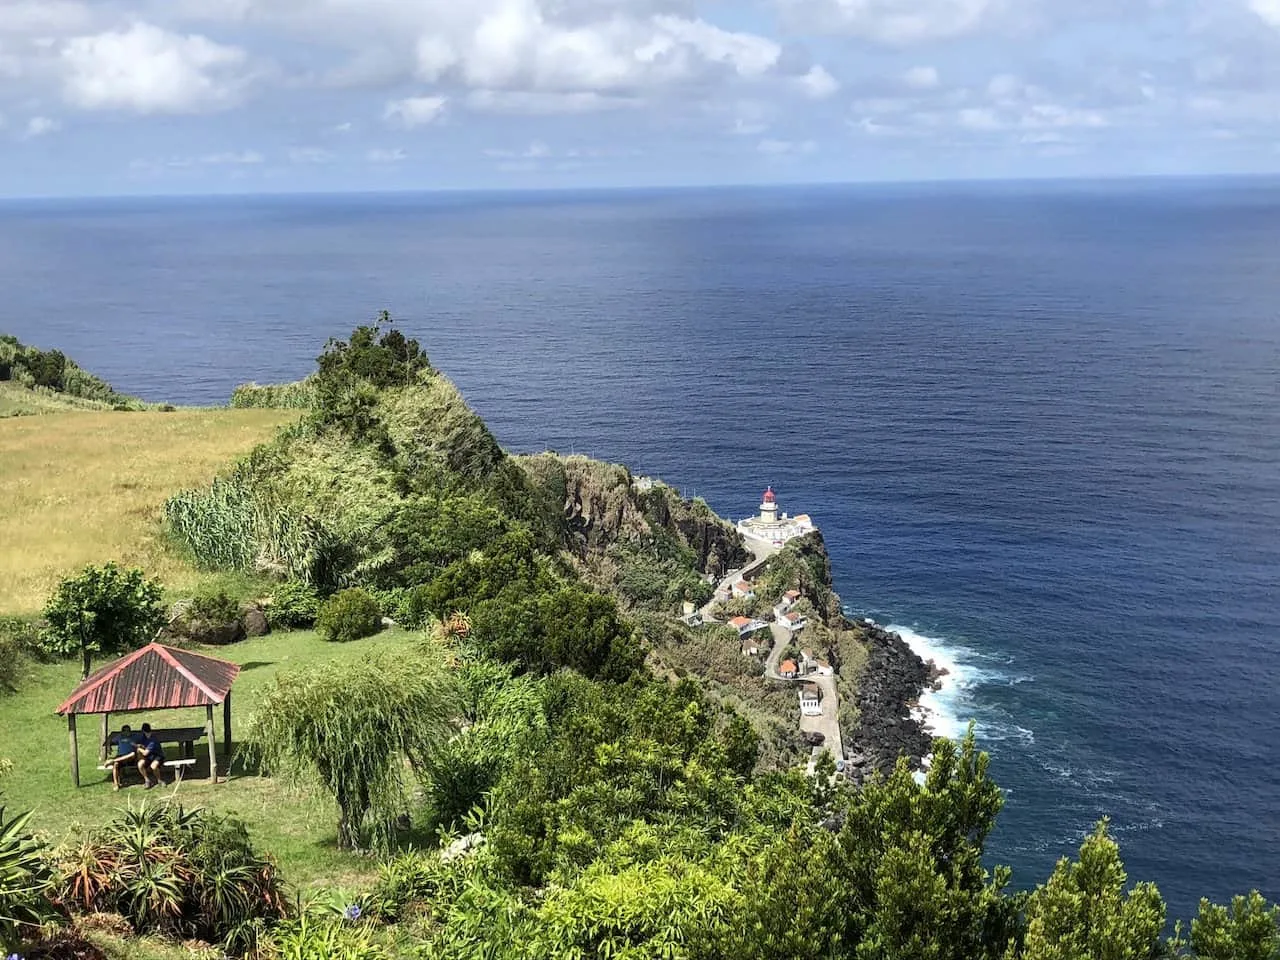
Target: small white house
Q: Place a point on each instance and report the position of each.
(744, 590)
(794, 622)
(743, 625)
(811, 700)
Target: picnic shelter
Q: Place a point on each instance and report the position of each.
(155, 677)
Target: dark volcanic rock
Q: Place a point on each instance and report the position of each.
(890, 684)
(254, 620)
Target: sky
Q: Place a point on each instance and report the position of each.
(104, 97)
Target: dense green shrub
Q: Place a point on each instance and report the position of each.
(320, 935)
(25, 882)
(238, 524)
(293, 605)
(349, 615)
(214, 606)
(13, 664)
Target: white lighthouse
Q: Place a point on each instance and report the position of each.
(771, 527)
(769, 507)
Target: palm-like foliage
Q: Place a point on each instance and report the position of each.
(25, 880)
(174, 871)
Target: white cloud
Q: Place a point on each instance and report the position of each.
(150, 70)
(540, 103)
(979, 118)
(232, 158)
(921, 78)
(43, 17)
(414, 111)
(786, 148)
(225, 158)
(395, 155)
(895, 22)
(1268, 10)
(818, 83)
(39, 126)
(309, 155)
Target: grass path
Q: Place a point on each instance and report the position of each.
(299, 828)
(82, 488)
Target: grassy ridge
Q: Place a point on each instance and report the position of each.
(82, 488)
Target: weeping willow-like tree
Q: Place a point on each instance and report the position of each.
(360, 729)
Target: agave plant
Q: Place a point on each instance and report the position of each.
(180, 872)
(25, 881)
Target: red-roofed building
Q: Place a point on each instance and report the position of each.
(743, 590)
(788, 669)
(155, 677)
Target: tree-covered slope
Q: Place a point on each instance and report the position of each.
(34, 381)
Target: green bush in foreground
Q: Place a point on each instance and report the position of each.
(349, 615)
(25, 882)
(183, 874)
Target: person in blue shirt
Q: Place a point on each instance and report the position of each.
(150, 758)
(126, 749)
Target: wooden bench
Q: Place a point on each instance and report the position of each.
(177, 767)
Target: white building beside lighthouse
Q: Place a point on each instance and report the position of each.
(771, 527)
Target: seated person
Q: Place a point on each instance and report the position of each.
(126, 749)
(150, 758)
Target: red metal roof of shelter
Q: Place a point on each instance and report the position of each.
(154, 678)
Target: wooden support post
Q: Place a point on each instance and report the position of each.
(75, 749)
(226, 730)
(213, 744)
(106, 732)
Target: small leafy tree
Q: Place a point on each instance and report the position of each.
(104, 610)
(353, 727)
(1248, 930)
(1083, 910)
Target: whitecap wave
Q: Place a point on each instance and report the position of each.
(947, 711)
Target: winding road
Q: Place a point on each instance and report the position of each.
(828, 724)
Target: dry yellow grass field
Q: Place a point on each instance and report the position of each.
(78, 488)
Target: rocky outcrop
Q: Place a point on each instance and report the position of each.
(891, 683)
(603, 505)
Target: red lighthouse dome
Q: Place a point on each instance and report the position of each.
(769, 497)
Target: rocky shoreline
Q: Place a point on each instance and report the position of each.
(888, 690)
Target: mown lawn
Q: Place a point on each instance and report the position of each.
(87, 487)
(298, 827)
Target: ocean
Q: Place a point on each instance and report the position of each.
(1038, 424)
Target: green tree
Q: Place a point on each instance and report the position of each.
(911, 863)
(1083, 912)
(1248, 930)
(104, 610)
(354, 728)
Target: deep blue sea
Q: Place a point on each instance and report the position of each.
(1039, 425)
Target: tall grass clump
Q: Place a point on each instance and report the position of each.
(236, 525)
(299, 395)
